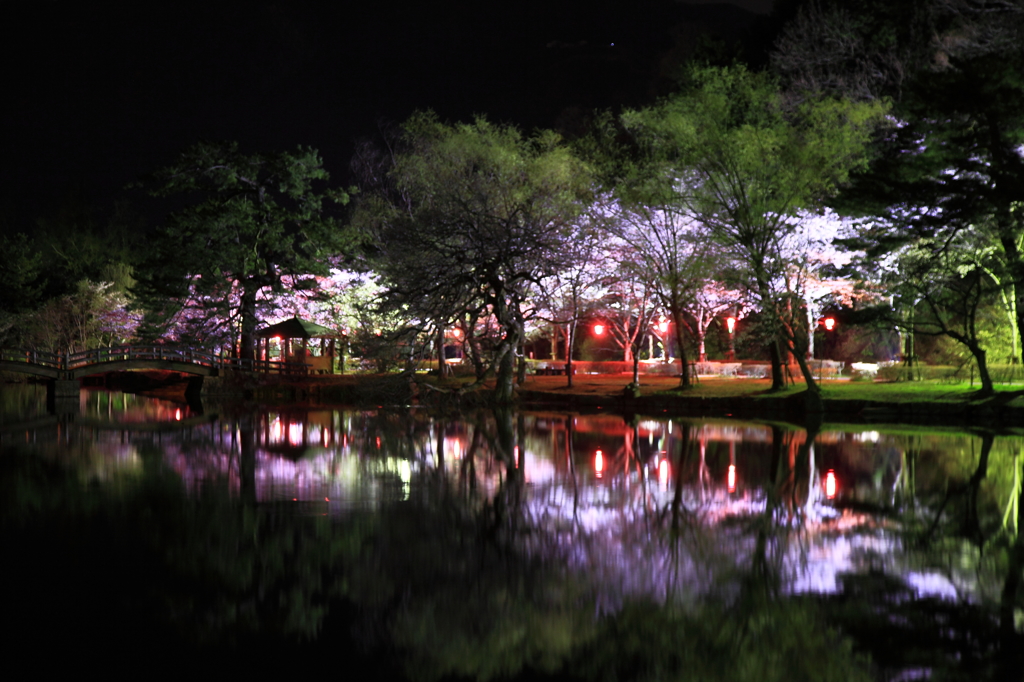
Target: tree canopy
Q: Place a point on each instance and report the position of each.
(248, 221)
(951, 170)
(473, 216)
(733, 154)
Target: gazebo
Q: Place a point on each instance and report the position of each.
(293, 341)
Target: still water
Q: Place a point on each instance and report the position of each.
(508, 545)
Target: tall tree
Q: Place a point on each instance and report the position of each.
(949, 288)
(743, 161)
(475, 215)
(564, 297)
(671, 253)
(248, 221)
(955, 161)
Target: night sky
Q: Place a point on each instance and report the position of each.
(97, 94)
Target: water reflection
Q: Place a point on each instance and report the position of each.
(752, 517)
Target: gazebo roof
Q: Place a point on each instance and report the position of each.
(297, 329)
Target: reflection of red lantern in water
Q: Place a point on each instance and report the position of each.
(599, 463)
(732, 478)
(830, 484)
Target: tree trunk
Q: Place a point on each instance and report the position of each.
(442, 365)
(778, 378)
(980, 357)
(510, 323)
(684, 375)
(521, 356)
(1008, 235)
(504, 388)
(247, 313)
(570, 341)
(636, 369)
(479, 368)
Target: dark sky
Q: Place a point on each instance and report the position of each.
(97, 94)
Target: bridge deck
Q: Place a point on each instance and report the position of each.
(100, 360)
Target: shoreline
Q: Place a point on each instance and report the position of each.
(917, 403)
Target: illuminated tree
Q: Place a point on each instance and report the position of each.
(743, 162)
(472, 217)
(566, 295)
(249, 222)
(954, 163)
(671, 254)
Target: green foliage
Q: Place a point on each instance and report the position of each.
(471, 216)
(250, 221)
(950, 174)
(95, 314)
(733, 155)
(780, 640)
(21, 274)
(214, 573)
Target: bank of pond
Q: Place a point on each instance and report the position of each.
(404, 543)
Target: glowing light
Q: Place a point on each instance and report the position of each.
(830, 323)
(663, 325)
(177, 415)
(599, 463)
(731, 480)
(598, 329)
(663, 475)
(378, 442)
(830, 484)
(730, 323)
(457, 333)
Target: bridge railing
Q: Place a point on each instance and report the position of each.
(271, 366)
(129, 353)
(95, 356)
(32, 357)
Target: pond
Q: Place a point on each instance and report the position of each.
(508, 545)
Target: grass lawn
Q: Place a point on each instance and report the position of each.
(894, 392)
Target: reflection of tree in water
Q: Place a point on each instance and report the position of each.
(510, 550)
(955, 512)
(138, 564)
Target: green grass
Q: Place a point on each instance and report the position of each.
(896, 392)
(938, 391)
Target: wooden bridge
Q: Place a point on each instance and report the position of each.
(74, 366)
